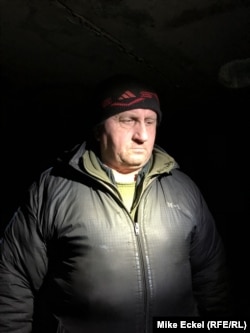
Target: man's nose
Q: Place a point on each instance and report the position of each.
(140, 132)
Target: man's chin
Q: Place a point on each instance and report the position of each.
(137, 162)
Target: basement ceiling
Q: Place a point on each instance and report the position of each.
(182, 45)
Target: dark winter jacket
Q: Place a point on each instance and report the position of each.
(101, 268)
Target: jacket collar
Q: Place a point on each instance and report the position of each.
(86, 159)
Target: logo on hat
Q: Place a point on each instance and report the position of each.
(126, 94)
(120, 101)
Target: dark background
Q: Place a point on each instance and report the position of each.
(196, 53)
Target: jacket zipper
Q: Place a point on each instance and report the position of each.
(136, 225)
(145, 285)
(142, 265)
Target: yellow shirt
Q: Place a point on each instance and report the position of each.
(127, 191)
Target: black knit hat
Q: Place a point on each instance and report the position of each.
(122, 93)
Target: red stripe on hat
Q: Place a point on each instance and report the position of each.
(137, 100)
(129, 93)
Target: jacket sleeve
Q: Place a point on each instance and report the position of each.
(211, 281)
(23, 265)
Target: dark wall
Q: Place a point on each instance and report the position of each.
(209, 138)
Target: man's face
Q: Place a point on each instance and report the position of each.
(127, 139)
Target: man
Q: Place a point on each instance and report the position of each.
(114, 234)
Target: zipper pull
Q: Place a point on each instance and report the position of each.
(136, 228)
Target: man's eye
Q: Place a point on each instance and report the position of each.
(126, 120)
(150, 121)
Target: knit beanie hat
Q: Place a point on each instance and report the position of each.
(122, 93)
